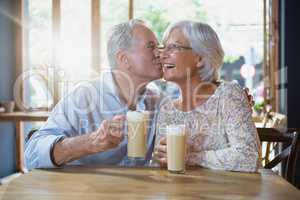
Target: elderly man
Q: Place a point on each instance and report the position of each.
(84, 125)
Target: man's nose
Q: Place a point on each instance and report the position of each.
(156, 52)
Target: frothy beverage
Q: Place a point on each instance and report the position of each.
(176, 148)
(137, 134)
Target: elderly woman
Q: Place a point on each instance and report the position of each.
(221, 133)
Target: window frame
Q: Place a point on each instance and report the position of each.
(270, 60)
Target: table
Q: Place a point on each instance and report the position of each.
(98, 182)
(19, 118)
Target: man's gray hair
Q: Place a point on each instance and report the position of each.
(204, 41)
(120, 38)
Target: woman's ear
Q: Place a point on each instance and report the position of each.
(122, 59)
(200, 62)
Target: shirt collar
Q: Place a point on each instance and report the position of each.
(108, 80)
(110, 83)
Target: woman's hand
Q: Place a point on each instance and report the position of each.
(192, 158)
(160, 152)
(109, 135)
(249, 97)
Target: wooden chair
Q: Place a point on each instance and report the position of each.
(294, 160)
(273, 120)
(290, 154)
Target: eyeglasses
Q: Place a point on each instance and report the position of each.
(172, 48)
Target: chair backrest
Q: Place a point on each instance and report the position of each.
(279, 120)
(275, 120)
(293, 160)
(289, 154)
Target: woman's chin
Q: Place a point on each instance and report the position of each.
(168, 74)
(167, 78)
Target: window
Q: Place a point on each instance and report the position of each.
(112, 13)
(69, 37)
(75, 40)
(38, 54)
(241, 33)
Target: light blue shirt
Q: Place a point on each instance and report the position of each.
(81, 112)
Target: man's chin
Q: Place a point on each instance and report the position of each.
(161, 75)
(157, 73)
(156, 77)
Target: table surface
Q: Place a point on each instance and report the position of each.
(24, 116)
(146, 183)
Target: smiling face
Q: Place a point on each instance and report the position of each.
(143, 55)
(178, 58)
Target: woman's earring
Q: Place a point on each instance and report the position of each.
(200, 63)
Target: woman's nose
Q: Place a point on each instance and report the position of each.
(163, 54)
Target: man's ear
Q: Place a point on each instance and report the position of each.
(200, 61)
(122, 59)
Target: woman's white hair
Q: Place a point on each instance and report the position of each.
(205, 42)
(121, 37)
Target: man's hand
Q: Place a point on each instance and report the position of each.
(160, 152)
(109, 135)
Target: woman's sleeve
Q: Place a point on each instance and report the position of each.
(243, 150)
